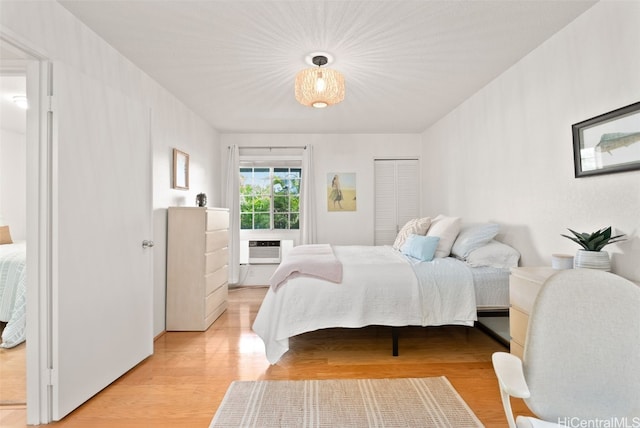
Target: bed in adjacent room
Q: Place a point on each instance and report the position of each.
(399, 285)
(13, 302)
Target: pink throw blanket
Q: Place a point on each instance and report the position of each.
(315, 260)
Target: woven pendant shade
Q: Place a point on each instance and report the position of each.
(319, 87)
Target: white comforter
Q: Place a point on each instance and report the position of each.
(13, 293)
(379, 287)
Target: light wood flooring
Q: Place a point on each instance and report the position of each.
(13, 380)
(183, 383)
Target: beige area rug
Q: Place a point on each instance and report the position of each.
(410, 402)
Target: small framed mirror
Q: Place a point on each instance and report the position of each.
(180, 170)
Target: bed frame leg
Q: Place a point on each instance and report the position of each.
(395, 333)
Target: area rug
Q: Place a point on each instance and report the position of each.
(409, 402)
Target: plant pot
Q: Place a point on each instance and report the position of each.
(592, 260)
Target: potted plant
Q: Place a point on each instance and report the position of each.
(591, 255)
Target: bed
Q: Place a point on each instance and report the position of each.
(13, 293)
(381, 285)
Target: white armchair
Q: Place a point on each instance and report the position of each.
(581, 363)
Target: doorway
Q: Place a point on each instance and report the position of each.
(19, 129)
(75, 350)
(13, 205)
(13, 217)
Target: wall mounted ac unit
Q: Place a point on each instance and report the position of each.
(286, 245)
(264, 252)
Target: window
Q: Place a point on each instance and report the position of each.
(270, 197)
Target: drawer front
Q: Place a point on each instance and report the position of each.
(522, 292)
(217, 259)
(516, 349)
(518, 323)
(216, 279)
(216, 299)
(216, 239)
(217, 219)
(215, 314)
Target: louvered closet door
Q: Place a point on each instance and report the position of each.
(397, 196)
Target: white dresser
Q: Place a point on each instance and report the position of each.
(197, 266)
(524, 285)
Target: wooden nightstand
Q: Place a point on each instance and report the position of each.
(524, 285)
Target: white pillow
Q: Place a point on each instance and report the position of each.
(494, 254)
(416, 226)
(446, 228)
(472, 237)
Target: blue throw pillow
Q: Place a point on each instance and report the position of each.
(420, 247)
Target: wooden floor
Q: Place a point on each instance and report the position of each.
(183, 383)
(13, 377)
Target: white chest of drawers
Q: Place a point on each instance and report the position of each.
(197, 266)
(524, 285)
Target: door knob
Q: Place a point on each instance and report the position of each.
(147, 244)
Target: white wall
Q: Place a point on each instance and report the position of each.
(50, 29)
(506, 153)
(13, 183)
(173, 126)
(338, 153)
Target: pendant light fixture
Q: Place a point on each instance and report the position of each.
(319, 87)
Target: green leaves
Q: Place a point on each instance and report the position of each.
(270, 197)
(595, 241)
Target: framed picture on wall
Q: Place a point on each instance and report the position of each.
(180, 170)
(341, 191)
(608, 143)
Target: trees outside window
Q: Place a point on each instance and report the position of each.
(270, 197)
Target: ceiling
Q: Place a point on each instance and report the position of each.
(406, 63)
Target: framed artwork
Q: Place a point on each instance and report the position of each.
(608, 143)
(341, 191)
(180, 170)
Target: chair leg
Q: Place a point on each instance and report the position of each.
(506, 404)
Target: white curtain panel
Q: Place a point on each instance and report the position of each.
(307, 192)
(233, 203)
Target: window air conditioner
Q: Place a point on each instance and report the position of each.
(264, 252)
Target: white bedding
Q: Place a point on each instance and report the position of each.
(446, 289)
(13, 299)
(492, 287)
(380, 286)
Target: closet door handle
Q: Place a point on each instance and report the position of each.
(147, 244)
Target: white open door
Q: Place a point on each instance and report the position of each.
(102, 291)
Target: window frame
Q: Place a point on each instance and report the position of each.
(272, 166)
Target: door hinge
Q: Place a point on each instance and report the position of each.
(50, 101)
(49, 377)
